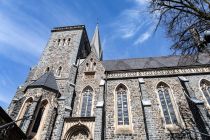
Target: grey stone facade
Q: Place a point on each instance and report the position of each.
(72, 65)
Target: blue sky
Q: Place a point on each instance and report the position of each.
(126, 31)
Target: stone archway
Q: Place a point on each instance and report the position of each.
(78, 132)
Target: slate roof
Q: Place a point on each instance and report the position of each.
(46, 81)
(155, 62)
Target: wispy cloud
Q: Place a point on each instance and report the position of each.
(146, 35)
(26, 35)
(135, 23)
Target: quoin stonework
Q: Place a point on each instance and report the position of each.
(73, 94)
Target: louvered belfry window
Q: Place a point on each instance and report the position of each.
(166, 103)
(122, 106)
(205, 87)
(87, 102)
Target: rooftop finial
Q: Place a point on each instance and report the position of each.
(97, 21)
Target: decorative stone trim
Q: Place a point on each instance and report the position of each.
(156, 73)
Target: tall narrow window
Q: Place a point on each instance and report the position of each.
(59, 71)
(166, 103)
(68, 41)
(39, 117)
(64, 42)
(205, 87)
(122, 105)
(87, 102)
(25, 111)
(59, 40)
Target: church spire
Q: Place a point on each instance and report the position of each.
(96, 43)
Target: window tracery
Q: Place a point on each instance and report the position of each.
(87, 102)
(25, 111)
(166, 104)
(122, 106)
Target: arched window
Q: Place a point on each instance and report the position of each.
(25, 111)
(122, 105)
(205, 87)
(59, 71)
(87, 102)
(39, 117)
(166, 103)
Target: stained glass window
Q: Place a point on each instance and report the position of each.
(87, 102)
(205, 87)
(166, 103)
(122, 106)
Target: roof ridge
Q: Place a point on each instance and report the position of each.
(144, 57)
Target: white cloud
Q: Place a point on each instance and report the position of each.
(146, 35)
(131, 24)
(22, 35)
(141, 2)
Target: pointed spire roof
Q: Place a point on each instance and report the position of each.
(96, 43)
(46, 81)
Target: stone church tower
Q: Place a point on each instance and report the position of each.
(73, 94)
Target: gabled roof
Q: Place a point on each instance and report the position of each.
(154, 62)
(46, 81)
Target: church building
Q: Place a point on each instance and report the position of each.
(73, 94)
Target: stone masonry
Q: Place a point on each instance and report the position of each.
(126, 99)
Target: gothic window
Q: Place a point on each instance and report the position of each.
(205, 87)
(87, 102)
(25, 111)
(39, 117)
(166, 103)
(122, 105)
(59, 71)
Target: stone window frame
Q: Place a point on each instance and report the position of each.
(171, 127)
(200, 88)
(122, 129)
(37, 135)
(81, 101)
(23, 108)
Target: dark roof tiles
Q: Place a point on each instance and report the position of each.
(154, 62)
(47, 80)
